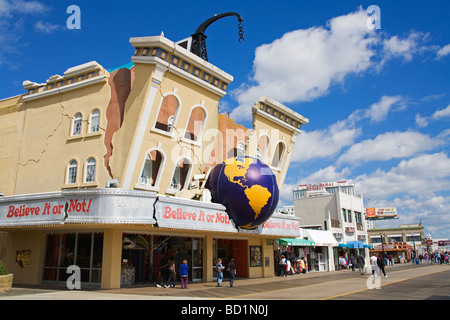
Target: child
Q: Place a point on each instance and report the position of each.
(184, 269)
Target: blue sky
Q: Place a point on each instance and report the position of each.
(378, 100)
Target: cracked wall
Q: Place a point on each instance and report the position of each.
(47, 146)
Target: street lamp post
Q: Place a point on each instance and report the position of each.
(382, 246)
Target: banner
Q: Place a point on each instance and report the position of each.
(381, 213)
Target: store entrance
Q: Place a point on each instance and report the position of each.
(226, 249)
(144, 255)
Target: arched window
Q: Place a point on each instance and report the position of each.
(180, 174)
(195, 124)
(263, 146)
(167, 113)
(151, 169)
(94, 121)
(278, 155)
(90, 170)
(72, 172)
(76, 124)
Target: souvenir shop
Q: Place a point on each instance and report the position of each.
(314, 246)
(344, 251)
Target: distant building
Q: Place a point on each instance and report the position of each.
(286, 210)
(335, 207)
(399, 241)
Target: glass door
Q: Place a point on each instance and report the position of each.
(197, 260)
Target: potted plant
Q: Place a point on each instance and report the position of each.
(6, 279)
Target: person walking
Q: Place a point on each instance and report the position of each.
(352, 262)
(373, 264)
(380, 264)
(219, 270)
(232, 271)
(184, 274)
(302, 265)
(163, 271)
(361, 263)
(283, 264)
(391, 262)
(172, 273)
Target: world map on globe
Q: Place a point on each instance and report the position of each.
(247, 188)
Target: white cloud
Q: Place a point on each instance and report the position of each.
(420, 176)
(12, 18)
(9, 7)
(378, 111)
(329, 173)
(389, 145)
(324, 143)
(437, 115)
(46, 27)
(444, 51)
(405, 48)
(303, 64)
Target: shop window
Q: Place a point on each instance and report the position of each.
(94, 121)
(152, 167)
(72, 172)
(278, 155)
(167, 113)
(195, 124)
(180, 174)
(84, 250)
(76, 124)
(90, 170)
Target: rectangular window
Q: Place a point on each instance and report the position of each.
(344, 213)
(83, 250)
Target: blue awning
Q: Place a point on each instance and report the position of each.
(368, 246)
(355, 244)
(343, 245)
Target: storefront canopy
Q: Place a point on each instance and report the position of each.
(295, 242)
(322, 238)
(355, 244)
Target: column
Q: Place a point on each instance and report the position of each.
(111, 261)
(208, 255)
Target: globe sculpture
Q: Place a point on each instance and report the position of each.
(247, 188)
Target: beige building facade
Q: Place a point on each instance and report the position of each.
(105, 169)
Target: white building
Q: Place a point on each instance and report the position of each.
(334, 207)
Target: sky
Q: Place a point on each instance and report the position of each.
(377, 94)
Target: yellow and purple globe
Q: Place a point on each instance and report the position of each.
(247, 188)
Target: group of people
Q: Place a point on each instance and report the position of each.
(231, 269)
(377, 263)
(434, 257)
(168, 273)
(286, 267)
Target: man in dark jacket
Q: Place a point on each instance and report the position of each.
(361, 263)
